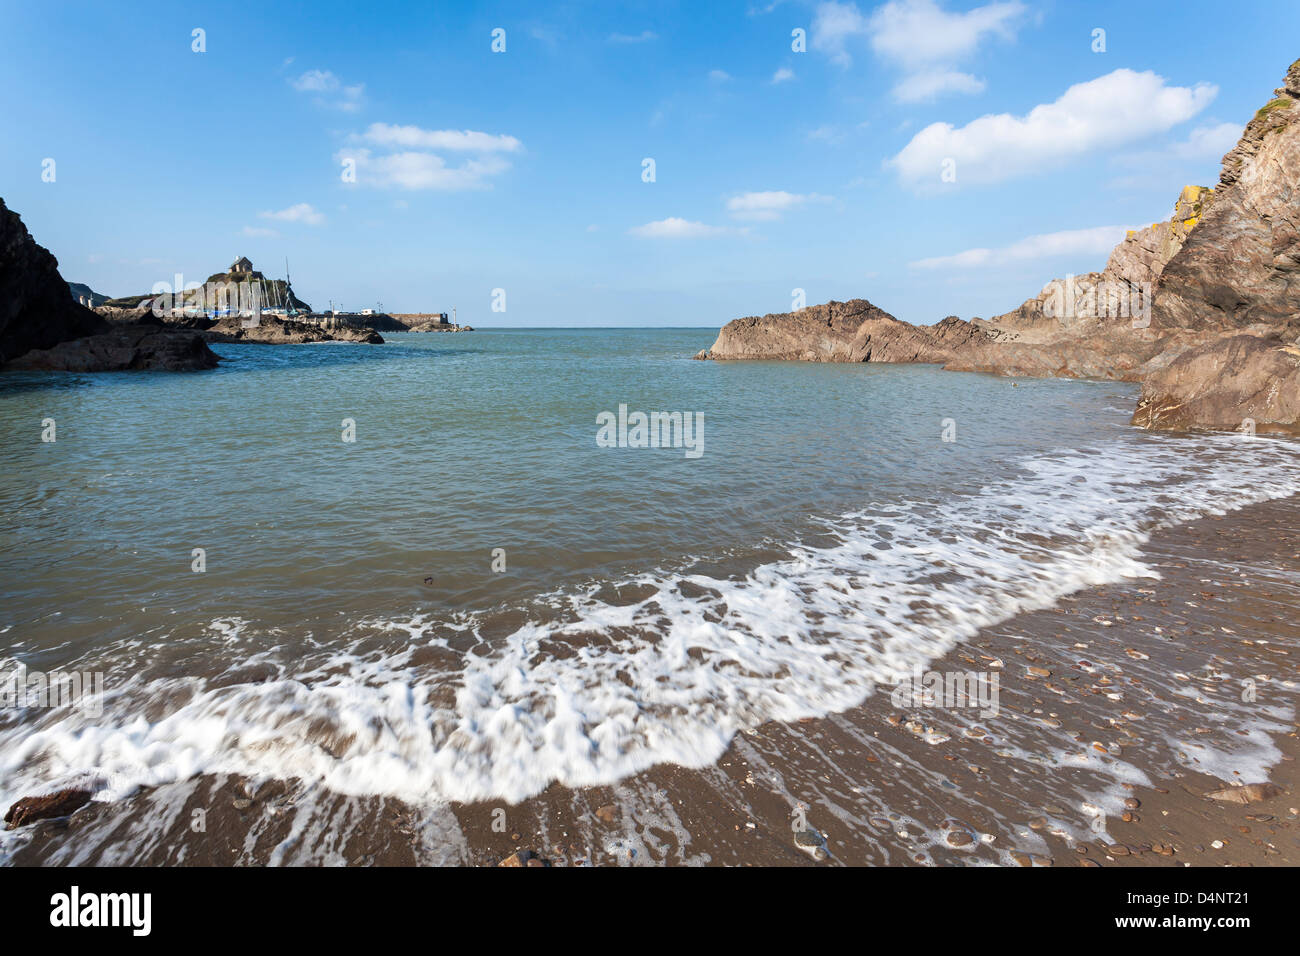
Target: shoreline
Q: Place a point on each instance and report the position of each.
(875, 785)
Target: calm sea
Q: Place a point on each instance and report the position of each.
(472, 597)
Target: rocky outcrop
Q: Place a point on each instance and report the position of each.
(46, 807)
(819, 333)
(1202, 309)
(271, 330)
(125, 347)
(1140, 259)
(36, 309)
(1122, 292)
(1241, 266)
(1238, 382)
(43, 327)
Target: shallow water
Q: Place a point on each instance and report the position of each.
(350, 627)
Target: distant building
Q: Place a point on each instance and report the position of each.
(242, 265)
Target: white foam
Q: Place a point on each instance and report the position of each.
(673, 677)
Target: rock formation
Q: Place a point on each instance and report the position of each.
(43, 327)
(819, 333)
(86, 295)
(1239, 272)
(47, 806)
(36, 309)
(1203, 309)
(1242, 382)
(272, 330)
(123, 348)
(1241, 266)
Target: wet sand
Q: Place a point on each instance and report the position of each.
(1119, 709)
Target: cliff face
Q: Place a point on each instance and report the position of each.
(1239, 382)
(1123, 290)
(1241, 265)
(36, 310)
(43, 328)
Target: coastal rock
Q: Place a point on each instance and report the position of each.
(36, 309)
(1239, 382)
(124, 347)
(886, 339)
(43, 328)
(1140, 259)
(47, 806)
(1241, 266)
(276, 331)
(1121, 294)
(425, 322)
(1203, 309)
(819, 333)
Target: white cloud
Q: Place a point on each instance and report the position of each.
(928, 86)
(406, 161)
(919, 37)
(1096, 241)
(767, 206)
(1108, 112)
(1204, 144)
(415, 170)
(675, 228)
(331, 90)
(413, 137)
(719, 76)
(1209, 142)
(782, 75)
(833, 24)
(315, 81)
(919, 33)
(645, 36)
(299, 212)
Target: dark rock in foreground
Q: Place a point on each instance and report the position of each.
(61, 803)
(123, 348)
(42, 327)
(36, 311)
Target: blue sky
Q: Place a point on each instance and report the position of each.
(522, 170)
